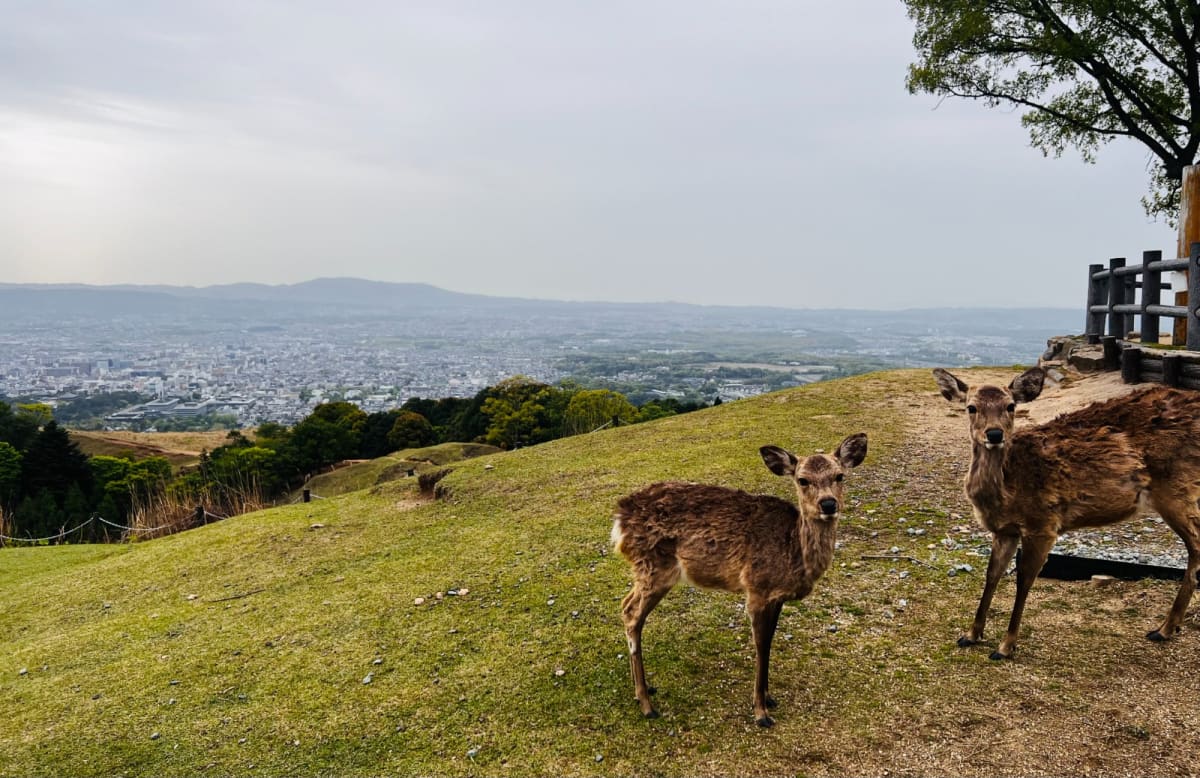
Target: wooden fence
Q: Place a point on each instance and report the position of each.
(1138, 365)
(1113, 296)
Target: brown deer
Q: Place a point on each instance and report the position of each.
(728, 539)
(1089, 468)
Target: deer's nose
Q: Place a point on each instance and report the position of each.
(829, 506)
(995, 436)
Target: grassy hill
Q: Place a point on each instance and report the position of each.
(291, 641)
(179, 448)
(372, 472)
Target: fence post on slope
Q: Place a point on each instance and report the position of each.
(1116, 296)
(1112, 352)
(1097, 294)
(1131, 364)
(1172, 369)
(1151, 295)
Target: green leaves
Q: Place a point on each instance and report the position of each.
(1087, 71)
(590, 409)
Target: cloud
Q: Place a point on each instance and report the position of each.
(706, 152)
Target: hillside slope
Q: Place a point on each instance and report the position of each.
(382, 633)
(178, 448)
(372, 472)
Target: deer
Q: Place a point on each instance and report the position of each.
(1096, 466)
(716, 537)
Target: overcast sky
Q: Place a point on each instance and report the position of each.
(708, 152)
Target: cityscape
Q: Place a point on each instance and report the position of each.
(252, 356)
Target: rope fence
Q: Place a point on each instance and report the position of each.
(306, 496)
(133, 529)
(98, 518)
(59, 536)
(202, 515)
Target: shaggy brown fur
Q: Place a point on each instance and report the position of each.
(729, 539)
(1096, 466)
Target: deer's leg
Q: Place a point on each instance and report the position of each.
(1003, 548)
(646, 593)
(764, 616)
(1034, 550)
(1186, 523)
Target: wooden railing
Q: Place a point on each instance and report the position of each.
(1113, 296)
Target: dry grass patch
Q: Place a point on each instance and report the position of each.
(179, 448)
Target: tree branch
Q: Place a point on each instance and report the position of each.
(1136, 33)
(1085, 71)
(1110, 81)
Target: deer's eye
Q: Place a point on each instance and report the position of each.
(1011, 407)
(802, 481)
(839, 478)
(972, 409)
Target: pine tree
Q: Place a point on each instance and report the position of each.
(52, 463)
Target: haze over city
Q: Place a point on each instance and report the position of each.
(761, 153)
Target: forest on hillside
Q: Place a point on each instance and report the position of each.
(50, 491)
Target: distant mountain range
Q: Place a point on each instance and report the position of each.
(326, 295)
(431, 337)
(149, 299)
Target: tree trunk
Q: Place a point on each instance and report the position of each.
(1189, 233)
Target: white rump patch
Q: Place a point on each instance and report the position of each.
(618, 535)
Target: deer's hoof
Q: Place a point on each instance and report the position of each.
(765, 721)
(651, 714)
(1156, 636)
(964, 642)
(996, 655)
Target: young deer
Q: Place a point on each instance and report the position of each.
(728, 539)
(1095, 466)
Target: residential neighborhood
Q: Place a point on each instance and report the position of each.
(254, 361)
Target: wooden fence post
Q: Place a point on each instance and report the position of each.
(199, 515)
(1116, 296)
(1151, 295)
(307, 495)
(1112, 352)
(1097, 294)
(1129, 288)
(1131, 364)
(1172, 369)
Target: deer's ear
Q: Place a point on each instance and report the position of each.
(1027, 386)
(852, 451)
(952, 388)
(779, 461)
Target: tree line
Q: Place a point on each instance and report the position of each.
(48, 485)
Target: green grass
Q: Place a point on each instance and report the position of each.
(361, 475)
(241, 648)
